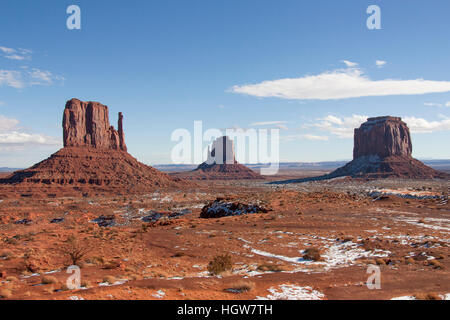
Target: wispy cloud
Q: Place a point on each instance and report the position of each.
(13, 137)
(434, 104)
(339, 84)
(311, 137)
(16, 54)
(380, 63)
(275, 124)
(349, 64)
(267, 123)
(420, 125)
(343, 127)
(28, 77)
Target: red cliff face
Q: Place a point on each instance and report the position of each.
(383, 137)
(86, 124)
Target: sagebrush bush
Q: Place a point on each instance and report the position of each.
(242, 286)
(270, 267)
(49, 280)
(312, 254)
(220, 264)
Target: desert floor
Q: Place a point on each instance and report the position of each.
(400, 226)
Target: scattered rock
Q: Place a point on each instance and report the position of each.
(223, 208)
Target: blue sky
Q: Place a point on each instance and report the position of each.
(165, 64)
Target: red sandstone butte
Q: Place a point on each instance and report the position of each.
(94, 155)
(86, 124)
(382, 149)
(222, 165)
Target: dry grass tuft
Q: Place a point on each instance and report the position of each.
(427, 296)
(220, 264)
(241, 286)
(6, 254)
(5, 293)
(49, 280)
(109, 279)
(312, 254)
(270, 268)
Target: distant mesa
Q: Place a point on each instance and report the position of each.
(94, 155)
(221, 164)
(382, 149)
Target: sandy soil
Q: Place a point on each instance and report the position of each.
(400, 226)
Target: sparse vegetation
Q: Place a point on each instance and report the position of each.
(109, 279)
(74, 249)
(427, 296)
(49, 280)
(312, 254)
(5, 293)
(241, 286)
(220, 264)
(270, 268)
(6, 254)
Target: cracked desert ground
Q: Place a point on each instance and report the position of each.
(403, 228)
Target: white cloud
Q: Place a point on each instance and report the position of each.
(349, 63)
(420, 125)
(311, 137)
(16, 54)
(267, 123)
(432, 104)
(342, 127)
(315, 137)
(11, 78)
(282, 127)
(340, 84)
(447, 104)
(380, 63)
(24, 78)
(7, 124)
(7, 50)
(22, 138)
(11, 136)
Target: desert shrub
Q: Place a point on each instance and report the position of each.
(312, 254)
(86, 284)
(6, 254)
(113, 264)
(5, 293)
(74, 249)
(12, 279)
(178, 254)
(49, 280)
(427, 296)
(270, 267)
(436, 264)
(241, 286)
(220, 264)
(109, 279)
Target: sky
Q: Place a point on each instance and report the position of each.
(312, 69)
